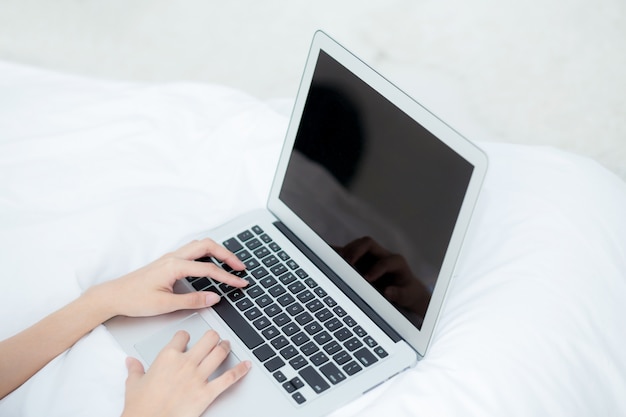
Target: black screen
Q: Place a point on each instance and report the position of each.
(375, 185)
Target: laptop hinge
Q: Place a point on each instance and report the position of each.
(349, 292)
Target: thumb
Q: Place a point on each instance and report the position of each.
(135, 369)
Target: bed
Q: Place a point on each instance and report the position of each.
(100, 177)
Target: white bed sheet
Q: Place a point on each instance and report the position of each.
(98, 178)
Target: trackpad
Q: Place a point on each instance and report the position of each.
(195, 325)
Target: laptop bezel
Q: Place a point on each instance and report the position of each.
(418, 339)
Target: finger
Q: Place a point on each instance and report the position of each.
(228, 378)
(212, 361)
(203, 347)
(182, 268)
(178, 342)
(135, 370)
(201, 248)
(189, 301)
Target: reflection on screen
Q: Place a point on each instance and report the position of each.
(376, 186)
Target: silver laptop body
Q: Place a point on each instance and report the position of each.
(368, 175)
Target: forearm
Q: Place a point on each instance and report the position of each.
(22, 355)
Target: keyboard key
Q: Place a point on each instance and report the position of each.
(253, 244)
(201, 284)
(353, 344)
(238, 324)
(270, 332)
(350, 322)
(290, 329)
(294, 309)
(232, 245)
(288, 386)
(272, 310)
(288, 352)
(314, 305)
(333, 373)
(279, 342)
(243, 255)
(263, 352)
(309, 348)
(322, 338)
(342, 357)
(303, 318)
(251, 264)
(278, 269)
(257, 230)
(235, 295)
(281, 319)
(254, 292)
(320, 292)
(298, 397)
(263, 301)
(292, 264)
(305, 296)
(243, 304)
(332, 347)
(259, 273)
(330, 302)
(274, 364)
(270, 261)
(352, 368)
(359, 331)
(333, 324)
(365, 357)
(245, 235)
(298, 362)
(261, 323)
(282, 255)
(279, 376)
(261, 252)
(296, 287)
(300, 338)
(274, 246)
(313, 328)
(297, 382)
(301, 273)
(267, 281)
(343, 334)
(287, 278)
(369, 341)
(265, 238)
(382, 353)
(324, 314)
(339, 311)
(314, 379)
(285, 300)
(319, 359)
(252, 313)
(277, 290)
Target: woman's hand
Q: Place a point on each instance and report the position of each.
(177, 382)
(149, 291)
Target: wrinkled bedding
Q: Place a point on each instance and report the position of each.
(98, 178)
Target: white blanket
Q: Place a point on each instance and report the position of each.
(98, 178)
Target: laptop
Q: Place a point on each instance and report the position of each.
(349, 262)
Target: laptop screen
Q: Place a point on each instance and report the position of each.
(375, 185)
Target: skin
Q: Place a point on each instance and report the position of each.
(177, 382)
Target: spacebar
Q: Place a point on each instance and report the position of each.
(238, 324)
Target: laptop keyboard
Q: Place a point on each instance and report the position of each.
(299, 333)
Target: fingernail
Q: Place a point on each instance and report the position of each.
(212, 298)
